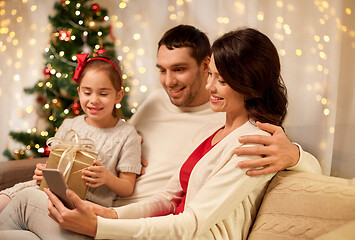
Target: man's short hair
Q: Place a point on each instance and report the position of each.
(187, 36)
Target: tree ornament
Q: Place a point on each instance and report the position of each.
(47, 72)
(58, 104)
(92, 25)
(76, 106)
(19, 153)
(64, 35)
(101, 51)
(95, 8)
(16, 154)
(46, 151)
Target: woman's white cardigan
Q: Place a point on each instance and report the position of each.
(221, 201)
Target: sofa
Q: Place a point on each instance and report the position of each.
(295, 206)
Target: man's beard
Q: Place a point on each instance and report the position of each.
(185, 101)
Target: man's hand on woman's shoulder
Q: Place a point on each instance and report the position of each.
(277, 151)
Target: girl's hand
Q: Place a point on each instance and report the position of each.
(96, 175)
(144, 165)
(38, 173)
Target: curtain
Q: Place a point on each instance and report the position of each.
(315, 40)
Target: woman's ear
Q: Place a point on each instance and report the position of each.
(78, 89)
(119, 96)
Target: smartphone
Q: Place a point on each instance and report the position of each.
(57, 185)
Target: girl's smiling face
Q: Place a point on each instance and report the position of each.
(98, 98)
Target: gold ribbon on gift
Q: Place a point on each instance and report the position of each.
(70, 145)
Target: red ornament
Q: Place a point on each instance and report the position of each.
(101, 51)
(46, 151)
(95, 8)
(64, 35)
(76, 107)
(47, 72)
(62, 1)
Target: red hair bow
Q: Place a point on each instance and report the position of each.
(82, 59)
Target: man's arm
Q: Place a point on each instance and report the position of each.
(278, 152)
(307, 163)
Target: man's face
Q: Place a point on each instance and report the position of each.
(182, 78)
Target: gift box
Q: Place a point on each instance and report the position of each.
(71, 155)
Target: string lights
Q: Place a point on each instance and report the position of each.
(11, 18)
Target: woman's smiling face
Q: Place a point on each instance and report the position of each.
(222, 97)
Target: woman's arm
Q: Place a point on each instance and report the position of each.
(307, 163)
(82, 219)
(216, 193)
(73, 220)
(222, 193)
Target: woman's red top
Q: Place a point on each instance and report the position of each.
(189, 164)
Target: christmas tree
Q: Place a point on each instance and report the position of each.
(78, 26)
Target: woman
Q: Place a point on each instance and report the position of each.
(209, 198)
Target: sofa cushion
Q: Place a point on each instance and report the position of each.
(304, 206)
(12, 172)
(345, 232)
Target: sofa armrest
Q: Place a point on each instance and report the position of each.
(304, 206)
(12, 172)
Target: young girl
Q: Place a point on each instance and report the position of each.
(117, 143)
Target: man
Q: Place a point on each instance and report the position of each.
(172, 123)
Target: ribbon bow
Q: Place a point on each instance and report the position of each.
(71, 144)
(81, 58)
